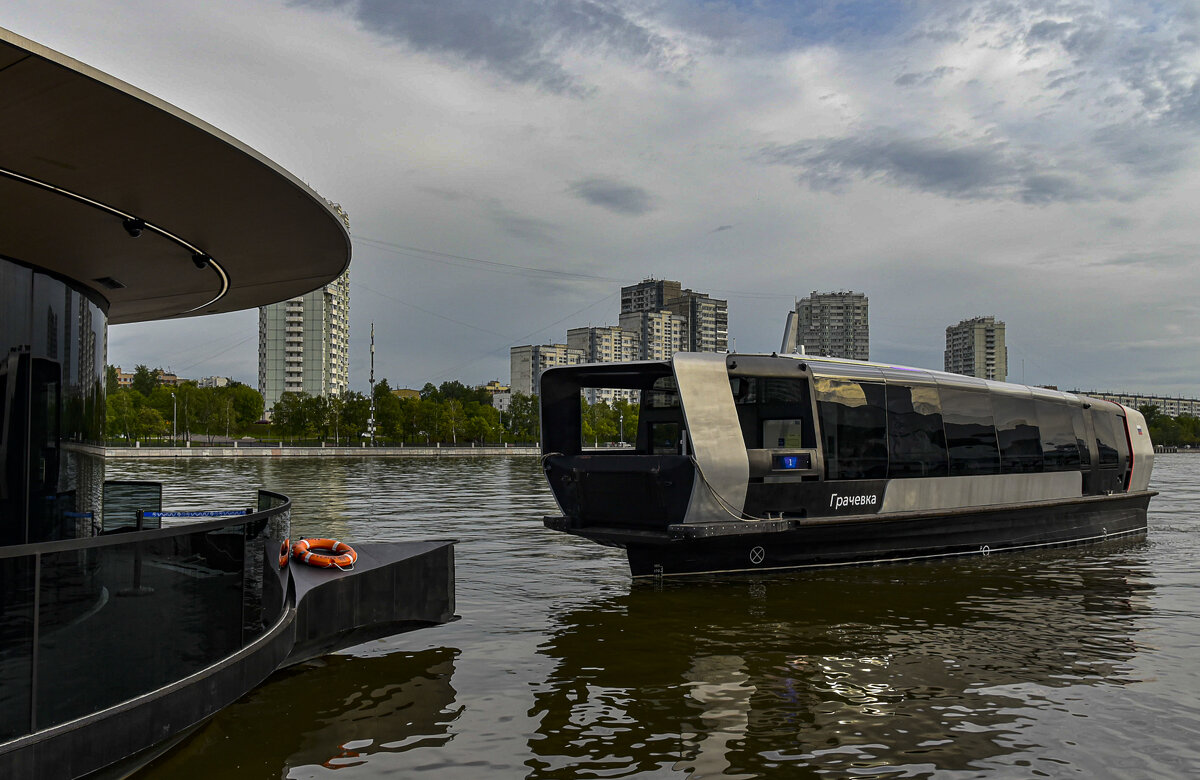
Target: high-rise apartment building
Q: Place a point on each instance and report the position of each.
(834, 324)
(304, 343)
(607, 344)
(975, 347)
(660, 333)
(649, 295)
(527, 363)
(705, 319)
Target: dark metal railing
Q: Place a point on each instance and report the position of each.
(86, 624)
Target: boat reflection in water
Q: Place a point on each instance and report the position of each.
(334, 713)
(924, 666)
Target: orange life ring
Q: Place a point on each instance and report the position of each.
(285, 552)
(343, 558)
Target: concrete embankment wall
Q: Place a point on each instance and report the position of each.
(315, 452)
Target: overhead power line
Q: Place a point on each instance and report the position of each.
(495, 266)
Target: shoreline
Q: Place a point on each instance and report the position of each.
(116, 453)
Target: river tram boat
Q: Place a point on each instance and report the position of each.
(758, 462)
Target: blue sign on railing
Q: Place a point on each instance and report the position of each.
(206, 513)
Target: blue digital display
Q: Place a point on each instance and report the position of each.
(789, 462)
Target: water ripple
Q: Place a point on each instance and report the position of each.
(1071, 663)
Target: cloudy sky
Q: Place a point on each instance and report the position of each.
(507, 166)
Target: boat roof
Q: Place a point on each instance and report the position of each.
(626, 374)
(222, 227)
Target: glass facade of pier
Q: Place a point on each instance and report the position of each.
(52, 357)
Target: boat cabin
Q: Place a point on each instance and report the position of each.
(761, 437)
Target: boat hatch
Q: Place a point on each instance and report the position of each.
(644, 482)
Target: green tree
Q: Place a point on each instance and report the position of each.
(287, 416)
(247, 406)
(111, 383)
(387, 412)
(455, 420)
(121, 414)
(522, 420)
(144, 379)
(356, 409)
(151, 423)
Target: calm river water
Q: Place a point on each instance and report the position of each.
(1070, 663)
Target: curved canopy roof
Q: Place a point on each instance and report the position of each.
(82, 154)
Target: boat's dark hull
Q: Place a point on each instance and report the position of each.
(742, 546)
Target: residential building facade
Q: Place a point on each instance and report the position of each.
(660, 334)
(706, 319)
(975, 347)
(606, 344)
(304, 343)
(834, 324)
(649, 295)
(1172, 407)
(527, 363)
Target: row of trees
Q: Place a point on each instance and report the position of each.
(451, 413)
(149, 410)
(1180, 431)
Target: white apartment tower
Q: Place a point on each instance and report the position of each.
(607, 344)
(834, 324)
(975, 347)
(529, 361)
(660, 333)
(304, 343)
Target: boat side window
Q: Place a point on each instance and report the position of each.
(1082, 439)
(663, 394)
(970, 432)
(853, 417)
(773, 411)
(1017, 433)
(664, 438)
(1060, 448)
(916, 441)
(1106, 438)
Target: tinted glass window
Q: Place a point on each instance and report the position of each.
(916, 442)
(970, 432)
(778, 390)
(1106, 438)
(765, 403)
(1060, 449)
(1017, 433)
(664, 438)
(1082, 438)
(663, 395)
(853, 428)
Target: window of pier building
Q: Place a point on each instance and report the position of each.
(52, 363)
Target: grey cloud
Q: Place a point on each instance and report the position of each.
(614, 196)
(535, 231)
(719, 228)
(522, 41)
(977, 170)
(916, 79)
